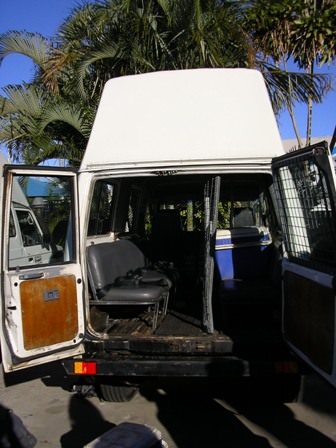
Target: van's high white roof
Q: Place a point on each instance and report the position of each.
(183, 116)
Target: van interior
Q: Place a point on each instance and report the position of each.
(192, 255)
(176, 262)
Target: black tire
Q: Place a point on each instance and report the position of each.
(117, 392)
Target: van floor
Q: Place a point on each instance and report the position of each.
(179, 324)
(172, 324)
(249, 336)
(259, 323)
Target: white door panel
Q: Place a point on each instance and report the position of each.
(41, 302)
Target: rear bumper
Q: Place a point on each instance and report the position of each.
(206, 367)
(162, 367)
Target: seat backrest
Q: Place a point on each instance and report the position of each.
(108, 261)
(167, 222)
(166, 235)
(243, 217)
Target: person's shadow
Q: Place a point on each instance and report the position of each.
(196, 417)
(194, 420)
(87, 423)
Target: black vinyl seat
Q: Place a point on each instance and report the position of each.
(118, 276)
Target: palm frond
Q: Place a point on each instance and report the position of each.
(22, 98)
(65, 113)
(111, 51)
(33, 45)
(287, 87)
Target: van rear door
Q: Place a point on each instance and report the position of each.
(42, 307)
(304, 183)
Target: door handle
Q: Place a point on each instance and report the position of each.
(31, 276)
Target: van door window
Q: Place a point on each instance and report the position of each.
(307, 210)
(40, 228)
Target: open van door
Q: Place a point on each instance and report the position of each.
(42, 306)
(304, 183)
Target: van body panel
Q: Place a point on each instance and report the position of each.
(184, 117)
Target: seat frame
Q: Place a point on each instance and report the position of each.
(106, 255)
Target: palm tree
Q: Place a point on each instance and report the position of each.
(36, 123)
(37, 127)
(121, 37)
(301, 30)
(111, 38)
(314, 41)
(99, 41)
(129, 36)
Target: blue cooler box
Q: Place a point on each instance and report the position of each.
(243, 253)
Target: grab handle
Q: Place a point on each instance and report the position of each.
(31, 276)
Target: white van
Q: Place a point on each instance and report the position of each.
(183, 253)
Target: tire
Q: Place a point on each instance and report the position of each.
(117, 393)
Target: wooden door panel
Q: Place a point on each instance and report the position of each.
(49, 311)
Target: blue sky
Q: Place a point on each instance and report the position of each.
(45, 16)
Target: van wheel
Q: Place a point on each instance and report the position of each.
(117, 392)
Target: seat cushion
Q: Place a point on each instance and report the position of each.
(108, 261)
(155, 278)
(145, 294)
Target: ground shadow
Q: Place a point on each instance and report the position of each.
(281, 423)
(87, 423)
(318, 394)
(193, 419)
(196, 417)
(52, 375)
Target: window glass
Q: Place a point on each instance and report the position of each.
(12, 232)
(31, 234)
(240, 213)
(41, 223)
(101, 209)
(307, 213)
(185, 215)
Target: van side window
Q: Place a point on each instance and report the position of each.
(41, 221)
(101, 208)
